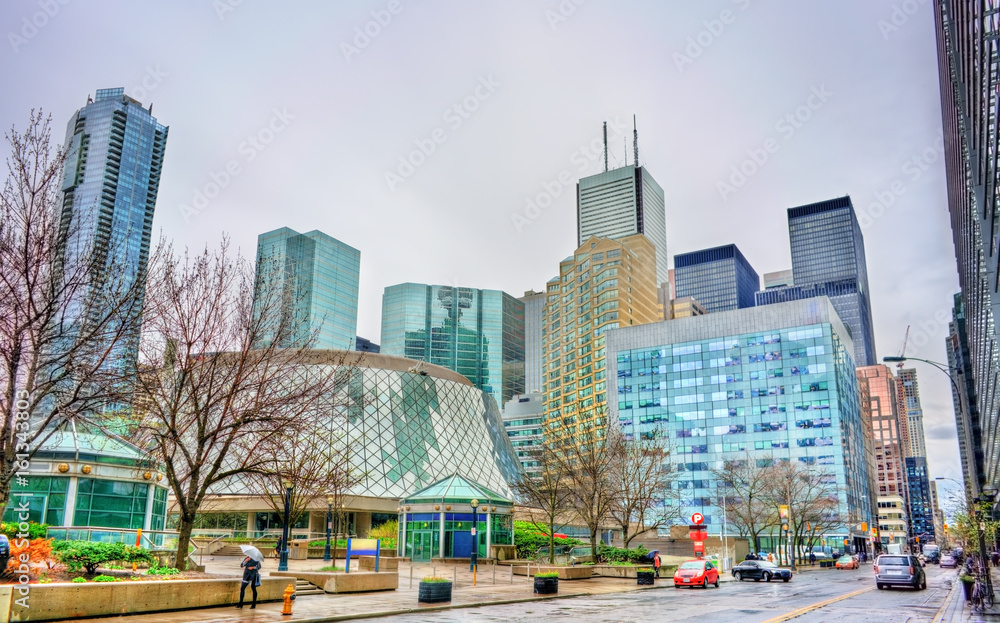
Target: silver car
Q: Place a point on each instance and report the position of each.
(899, 570)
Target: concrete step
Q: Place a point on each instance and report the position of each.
(303, 587)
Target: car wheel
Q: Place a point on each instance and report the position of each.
(767, 577)
(738, 576)
(716, 582)
(923, 584)
(785, 579)
(880, 586)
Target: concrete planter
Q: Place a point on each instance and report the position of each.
(618, 571)
(644, 578)
(339, 582)
(434, 592)
(546, 586)
(367, 563)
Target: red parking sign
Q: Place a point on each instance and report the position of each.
(697, 518)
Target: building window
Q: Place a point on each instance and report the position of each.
(110, 503)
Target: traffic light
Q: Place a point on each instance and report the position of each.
(918, 539)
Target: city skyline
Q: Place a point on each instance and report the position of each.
(278, 128)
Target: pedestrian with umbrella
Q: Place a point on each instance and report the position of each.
(251, 573)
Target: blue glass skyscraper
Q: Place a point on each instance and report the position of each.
(919, 498)
(828, 258)
(720, 279)
(318, 278)
(114, 158)
(477, 333)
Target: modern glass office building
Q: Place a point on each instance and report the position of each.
(828, 259)
(534, 305)
(477, 333)
(111, 177)
(964, 403)
(776, 381)
(720, 279)
(317, 277)
(921, 504)
(524, 421)
(620, 203)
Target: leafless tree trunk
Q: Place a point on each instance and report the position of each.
(640, 482)
(217, 392)
(548, 490)
(62, 323)
(748, 502)
(811, 499)
(586, 461)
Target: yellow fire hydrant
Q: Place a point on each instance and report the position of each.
(289, 596)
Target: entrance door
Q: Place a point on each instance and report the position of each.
(462, 547)
(422, 546)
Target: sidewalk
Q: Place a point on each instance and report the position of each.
(956, 609)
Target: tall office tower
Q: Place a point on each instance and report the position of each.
(623, 202)
(914, 413)
(317, 277)
(865, 405)
(771, 381)
(968, 61)
(607, 283)
(921, 506)
(523, 419)
(534, 304)
(114, 157)
(880, 387)
(965, 404)
(477, 333)
(828, 259)
(720, 279)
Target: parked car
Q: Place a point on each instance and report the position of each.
(949, 562)
(899, 570)
(758, 570)
(847, 562)
(696, 573)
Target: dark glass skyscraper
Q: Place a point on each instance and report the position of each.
(968, 63)
(919, 498)
(477, 333)
(828, 257)
(966, 405)
(114, 157)
(721, 279)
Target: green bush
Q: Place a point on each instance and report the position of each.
(330, 568)
(104, 578)
(547, 574)
(622, 555)
(91, 555)
(433, 580)
(78, 580)
(35, 530)
(162, 571)
(528, 538)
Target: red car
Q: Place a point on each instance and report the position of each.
(696, 573)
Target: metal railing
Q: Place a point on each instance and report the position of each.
(153, 539)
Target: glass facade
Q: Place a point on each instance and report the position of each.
(318, 278)
(114, 157)
(477, 333)
(524, 421)
(776, 381)
(534, 305)
(620, 203)
(46, 500)
(964, 403)
(914, 412)
(110, 503)
(920, 504)
(720, 279)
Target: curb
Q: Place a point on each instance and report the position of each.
(948, 607)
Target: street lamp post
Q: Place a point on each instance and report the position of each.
(283, 561)
(475, 542)
(329, 525)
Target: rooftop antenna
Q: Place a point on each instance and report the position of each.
(625, 142)
(605, 146)
(635, 143)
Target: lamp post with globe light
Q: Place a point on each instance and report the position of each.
(283, 560)
(329, 525)
(475, 542)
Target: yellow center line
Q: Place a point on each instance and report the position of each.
(788, 616)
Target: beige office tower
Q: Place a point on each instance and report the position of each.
(607, 283)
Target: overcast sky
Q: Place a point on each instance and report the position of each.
(317, 109)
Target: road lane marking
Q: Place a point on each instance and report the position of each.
(788, 616)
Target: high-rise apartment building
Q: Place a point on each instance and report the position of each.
(914, 412)
(967, 38)
(920, 502)
(524, 421)
(880, 388)
(774, 381)
(721, 279)
(477, 333)
(114, 158)
(534, 305)
(828, 259)
(607, 283)
(317, 277)
(964, 402)
(620, 203)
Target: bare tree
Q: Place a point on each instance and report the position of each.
(218, 390)
(811, 498)
(69, 305)
(640, 481)
(747, 486)
(548, 490)
(586, 460)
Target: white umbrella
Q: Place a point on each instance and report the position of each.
(252, 552)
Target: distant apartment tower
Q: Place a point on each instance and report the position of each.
(534, 304)
(477, 333)
(524, 421)
(607, 283)
(828, 259)
(317, 279)
(721, 278)
(914, 412)
(965, 403)
(620, 203)
(111, 177)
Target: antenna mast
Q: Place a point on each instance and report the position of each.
(625, 144)
(605, 146)
(635, 143)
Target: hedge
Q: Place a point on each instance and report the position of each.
(91, 555)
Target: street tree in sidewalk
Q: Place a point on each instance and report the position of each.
(586, 458)
(640, 481)
(69, 305)
(746, 482)
(548, 491)
(217, 389)
(811, 498)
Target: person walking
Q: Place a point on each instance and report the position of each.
(770, 558)
(251, 577)
(812, 559)
(277, 547)
(656, 564)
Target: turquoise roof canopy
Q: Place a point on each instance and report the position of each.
(456, 490)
